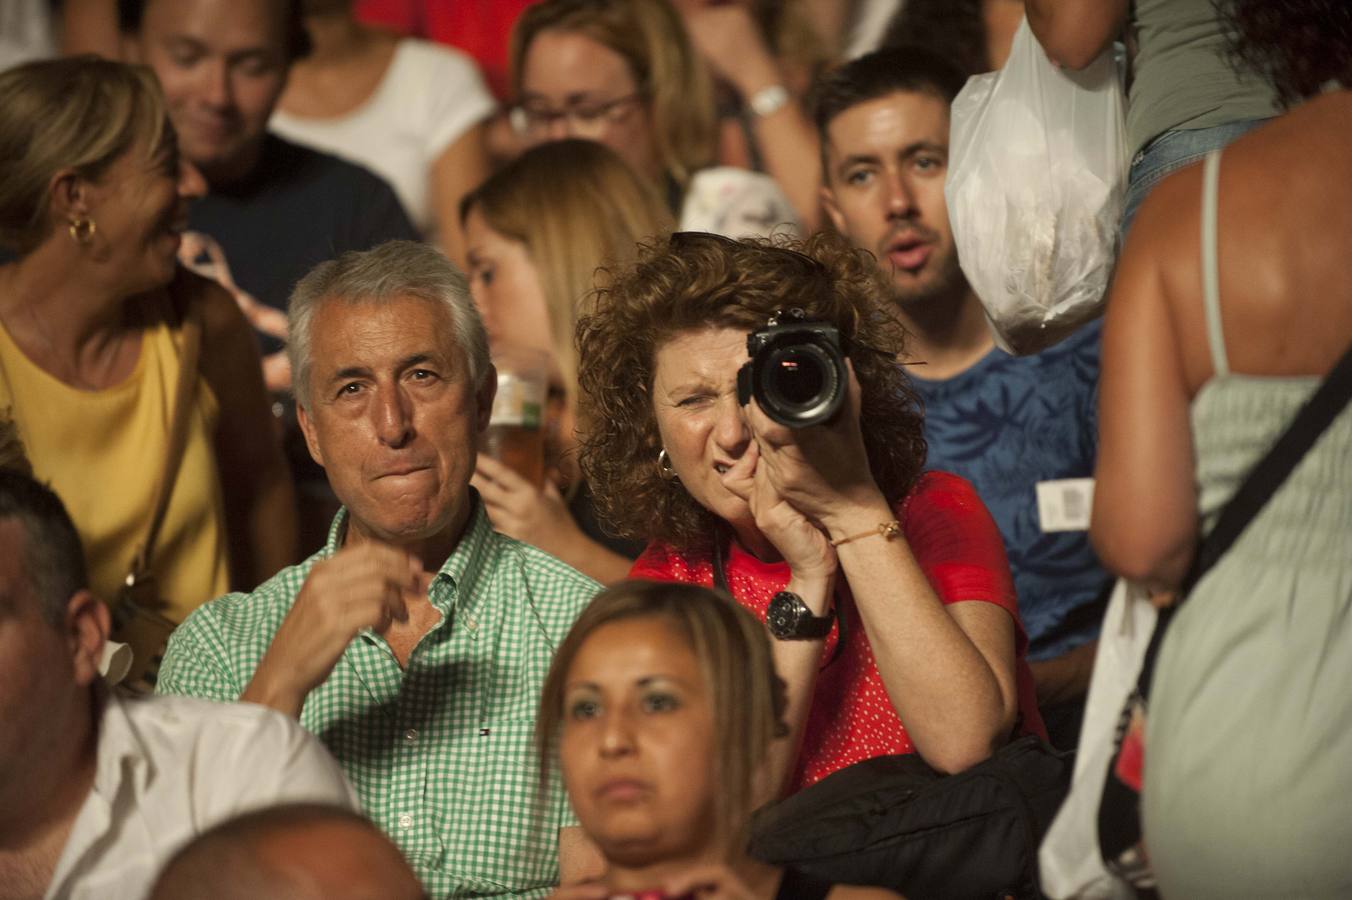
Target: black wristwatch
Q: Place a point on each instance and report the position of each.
(789, 619)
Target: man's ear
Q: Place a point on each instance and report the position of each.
(307, 428)
(828, 198)
(87, 625)
(487, 391)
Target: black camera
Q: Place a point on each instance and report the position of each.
(796, 372)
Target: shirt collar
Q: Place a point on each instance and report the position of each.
(461, 571)
(121, 754)
(123, 769)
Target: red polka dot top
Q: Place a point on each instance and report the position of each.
(958, 547)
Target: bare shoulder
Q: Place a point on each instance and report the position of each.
(848, 892)
(1316, 130)
(1285, 274)
(1166, 225)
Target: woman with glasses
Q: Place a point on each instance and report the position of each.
(623, 73)
(886, 589)
(537, 232)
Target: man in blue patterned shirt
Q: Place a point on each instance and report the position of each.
(414, 644)
(1021, 429)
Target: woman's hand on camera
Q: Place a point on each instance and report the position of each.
(519, 509)
(822, 470)
(805, 548)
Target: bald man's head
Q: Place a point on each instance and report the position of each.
(297, 852)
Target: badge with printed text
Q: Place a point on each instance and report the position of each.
(1065, 504)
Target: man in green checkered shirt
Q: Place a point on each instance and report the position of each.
(414, 644)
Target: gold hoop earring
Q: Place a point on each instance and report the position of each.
(82, 230)
(664, 465)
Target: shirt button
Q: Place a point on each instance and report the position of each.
(411, 736)
(405, 821)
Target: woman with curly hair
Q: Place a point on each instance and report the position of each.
(1232, 301)
(887, 591)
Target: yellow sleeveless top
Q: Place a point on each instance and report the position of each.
(102, 452)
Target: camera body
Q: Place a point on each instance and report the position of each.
(796, 372)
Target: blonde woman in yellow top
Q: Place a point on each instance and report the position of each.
(538, 234)
(93, 199)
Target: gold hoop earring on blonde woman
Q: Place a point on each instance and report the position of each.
(82, 230)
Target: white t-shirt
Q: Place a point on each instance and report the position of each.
(429, 97)
(25, 32)
(171, 767)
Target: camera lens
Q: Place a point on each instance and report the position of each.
(801, 383)
(796, 371)
(796, 375)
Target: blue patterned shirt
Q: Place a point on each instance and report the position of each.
(1005, 424)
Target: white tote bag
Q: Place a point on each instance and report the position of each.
(1036, 178)
(1069, 861)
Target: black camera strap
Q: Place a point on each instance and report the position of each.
(721, 582)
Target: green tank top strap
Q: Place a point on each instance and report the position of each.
(1211, 292)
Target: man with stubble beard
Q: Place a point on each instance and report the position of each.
(1021, 429)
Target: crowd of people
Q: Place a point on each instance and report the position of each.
(282, 614)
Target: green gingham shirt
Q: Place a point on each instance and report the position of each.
(439, 753)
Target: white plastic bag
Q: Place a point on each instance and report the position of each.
(1070, 864)
(1036, 176)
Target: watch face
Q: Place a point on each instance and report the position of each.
(783, 615)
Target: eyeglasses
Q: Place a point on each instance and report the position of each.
(585, 119)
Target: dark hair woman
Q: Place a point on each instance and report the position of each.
(1232, 302)
(662, 705)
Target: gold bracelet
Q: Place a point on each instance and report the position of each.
(889, 530)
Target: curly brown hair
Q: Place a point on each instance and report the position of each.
(694, 281)
(1297, 45)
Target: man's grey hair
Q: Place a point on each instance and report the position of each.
(392, 270)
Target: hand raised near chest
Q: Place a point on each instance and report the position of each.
(365, 586)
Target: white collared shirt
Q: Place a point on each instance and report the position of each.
(171, 767)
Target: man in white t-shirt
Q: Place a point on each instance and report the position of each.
(98, 789)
